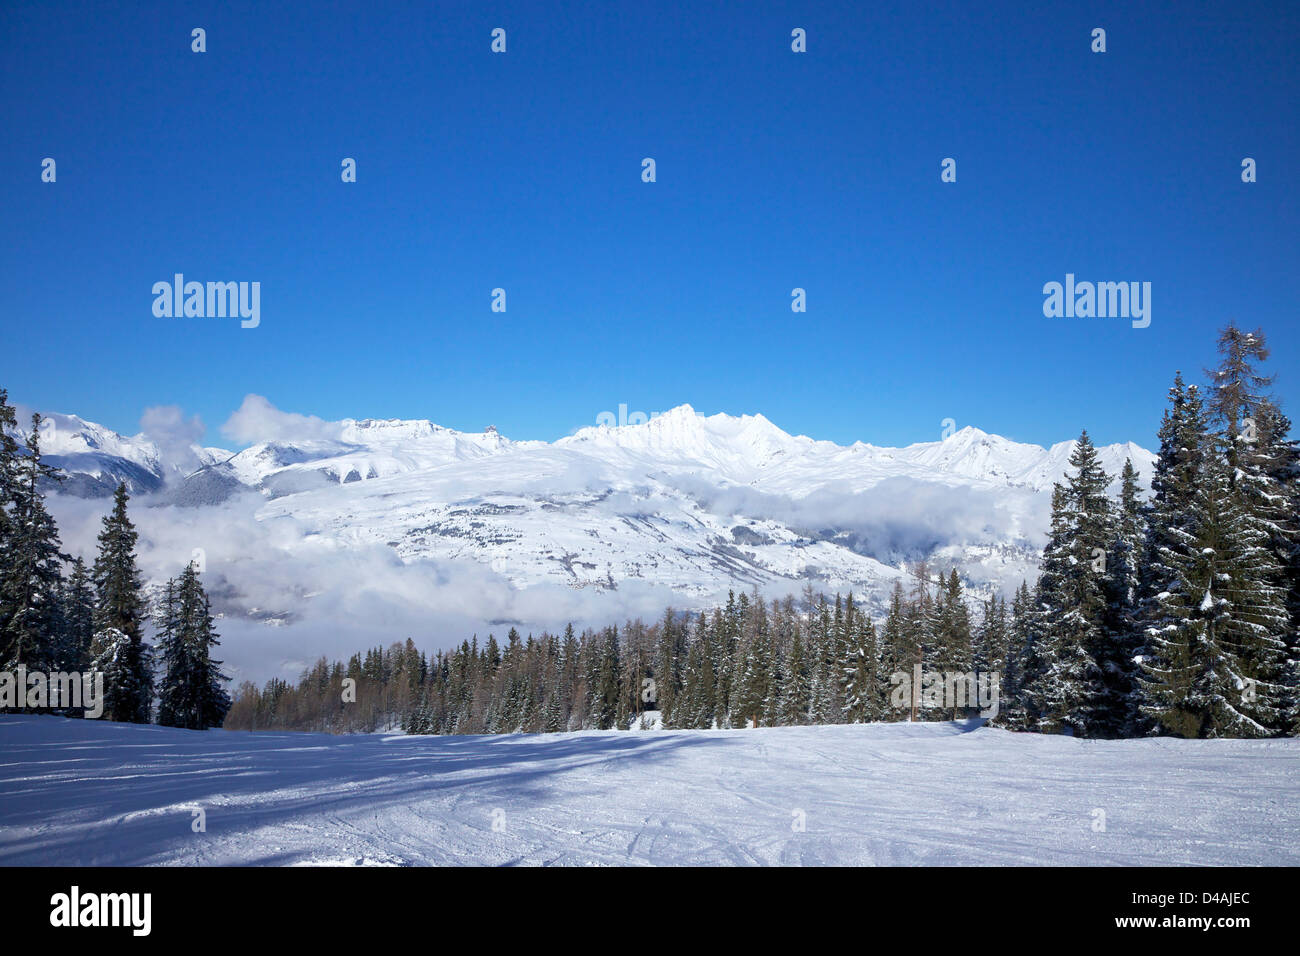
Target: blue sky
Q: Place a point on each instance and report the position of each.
(775, 170)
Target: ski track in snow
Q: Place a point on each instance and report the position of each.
(86, 793)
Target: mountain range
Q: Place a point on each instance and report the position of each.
(686, 504)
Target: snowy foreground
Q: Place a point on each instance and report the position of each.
(93, 793)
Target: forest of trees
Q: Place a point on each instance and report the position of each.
(58, 616)
(1172, 613)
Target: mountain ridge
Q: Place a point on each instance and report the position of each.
(684, 505)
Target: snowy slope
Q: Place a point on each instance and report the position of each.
(89, 793)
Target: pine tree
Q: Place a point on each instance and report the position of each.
(863, 690)
(1021, 662)
(1216, 661)
(756, 667)
(171, 651)
(993, 637)
(120, 613)
(29, 630)
(8, 507)
(1252, 439)
(783, 627)
(605, 686)
(1121, 639)
(1066, 693)
(920, 622)
(898, 655)
(953, 651)
(78, 619)
(192, 691)
(669, 659)
(794, 697)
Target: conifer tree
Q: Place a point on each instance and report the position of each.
(897, 651)
(119, 619)
(919, 624)
(1117, 658)
(8, 505)
(756, 668)
(1262, 466)
(29, 630)
(993, 638)
(78, 619)
(1022, 662)
(192, 691)
(953, 651)
(1066, 693)
(605, 686)
(863, 691)
(1217, 660)
(794, 697)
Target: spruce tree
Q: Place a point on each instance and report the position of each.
(898, 655)
(794, 697)
(33, 582)
(78, 619)
(8, 505)
(1217, 658)
(953, 651)
(1252, 435)
(1066, 693)
(1022, 663)
(863, 691)
(119, 619)
(1122, 641)
(192, 691)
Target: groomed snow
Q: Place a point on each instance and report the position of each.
(95, 793)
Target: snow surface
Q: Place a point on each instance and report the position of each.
(95, 793)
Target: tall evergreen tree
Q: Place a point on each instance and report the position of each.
(1066, 692)
(953, 649)
(119, 619)
(192, 691)
(1217, 657)
(78, 619)
(863, 698)
(1120, 633)
(1022, 662)
(898, 655)
(8, 506)
(33, 582)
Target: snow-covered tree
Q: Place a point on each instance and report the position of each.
(77, 619)
(1117, 658)
(1065, 692)
(863, 687)
(120, 608)
(192, 692)
(32, 580)
(1216, 661)
(953, 648)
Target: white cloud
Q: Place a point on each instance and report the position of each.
(257, 420)
(174, 434)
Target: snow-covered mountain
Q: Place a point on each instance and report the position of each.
(686, 504)
(96, 459)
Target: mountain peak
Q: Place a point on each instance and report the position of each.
(386, 429)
